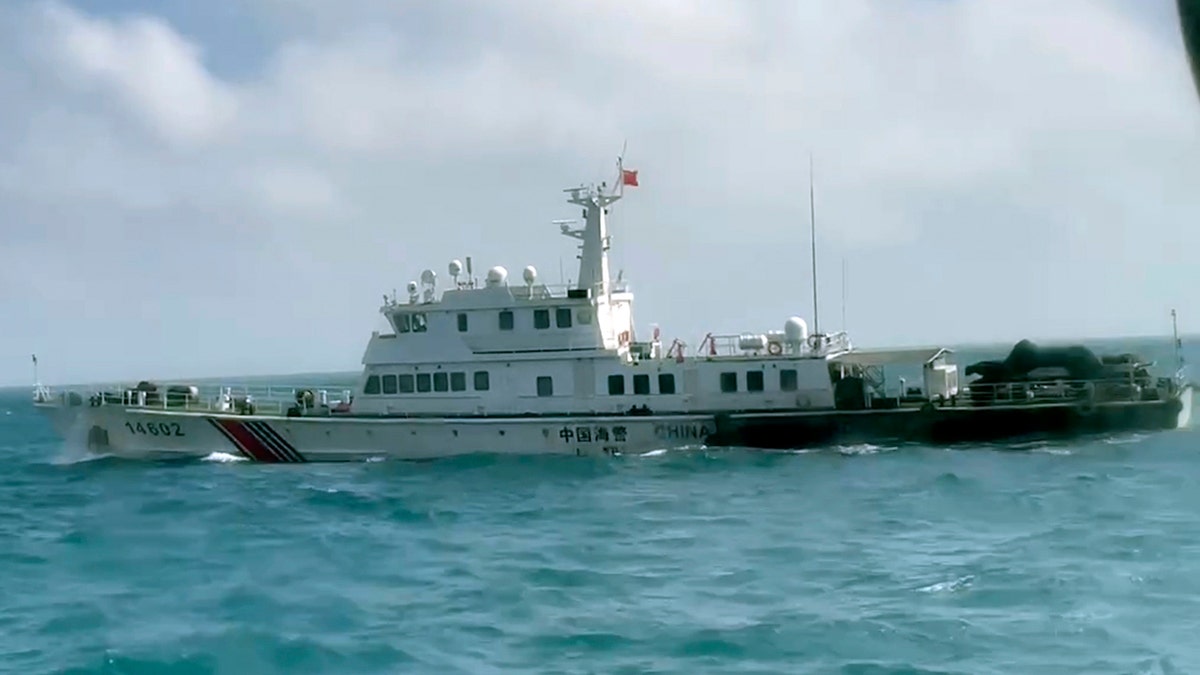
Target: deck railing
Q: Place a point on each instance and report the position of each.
(244, 398)
(725, 344)
(1109, 390)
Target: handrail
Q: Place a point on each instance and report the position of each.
(520, 291)
(211, 397)
(729, 344)
(1110, 389)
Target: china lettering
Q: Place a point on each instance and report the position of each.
(154, 428)
(588, 434)
(677, 431)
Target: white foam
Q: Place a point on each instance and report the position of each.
(863, 449)
(949, 586)
(222, 457)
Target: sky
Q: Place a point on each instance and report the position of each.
(203, 189)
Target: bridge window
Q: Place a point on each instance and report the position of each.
(562, 317)
(728, 382)
(458, 381)
(788, 380)
(666, 383)
(424, 382)
(462, 323)
(584, 315)
(419, 323)
(481, 380)
(754, 380)
(506, 320)
(545, 386)
(372, 386)
(441, 382)
(641, 384)
(389, 384)
(403, 323)
(616, 385)
(407, 385)
(541, 318)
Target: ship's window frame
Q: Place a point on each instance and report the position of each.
(441, 381)
(482, 381)
(789, 379)
(371, 388)
(616, 385)
(506, 319)
(458, 381)
(584, 316)
(541, 318)
(729, 382)
(754, 380)
(545, 385)
(424, 383)
(389, 384)
(420, 323)
(666, 383)
(641, 384)
(407, 383)
(462, 322)
(562, 317)
(403, 322)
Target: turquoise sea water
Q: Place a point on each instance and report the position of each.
(1034, 557)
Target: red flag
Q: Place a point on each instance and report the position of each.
(629, 177)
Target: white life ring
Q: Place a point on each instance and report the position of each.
(774, 348)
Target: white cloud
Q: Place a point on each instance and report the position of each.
(292, 190)
(155, 72)
(978, 162)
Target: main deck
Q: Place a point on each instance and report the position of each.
(290, 400)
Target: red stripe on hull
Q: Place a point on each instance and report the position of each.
(249, 442)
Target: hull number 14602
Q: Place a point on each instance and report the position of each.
(154, 428)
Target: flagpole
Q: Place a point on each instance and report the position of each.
(843, 295)
(813, 217)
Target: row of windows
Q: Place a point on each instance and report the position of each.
(457, 381)
(616, 384)
(412, 322)
(408, 383)
(788, 381)
(641, 384)
(541, 318)
(418, 322)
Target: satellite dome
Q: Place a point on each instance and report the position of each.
(497, 276)
(795, 329)
(530, 275)
(455, 268)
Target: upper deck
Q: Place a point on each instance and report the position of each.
(472, 319)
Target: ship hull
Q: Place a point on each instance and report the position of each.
(144, 433)
(160, 434)
(950, 425)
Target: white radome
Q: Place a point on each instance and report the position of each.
(497, 276)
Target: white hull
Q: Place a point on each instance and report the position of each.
(140, 433)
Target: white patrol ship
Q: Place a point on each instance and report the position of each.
(526, 368)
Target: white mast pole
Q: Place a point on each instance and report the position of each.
(813, 219)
